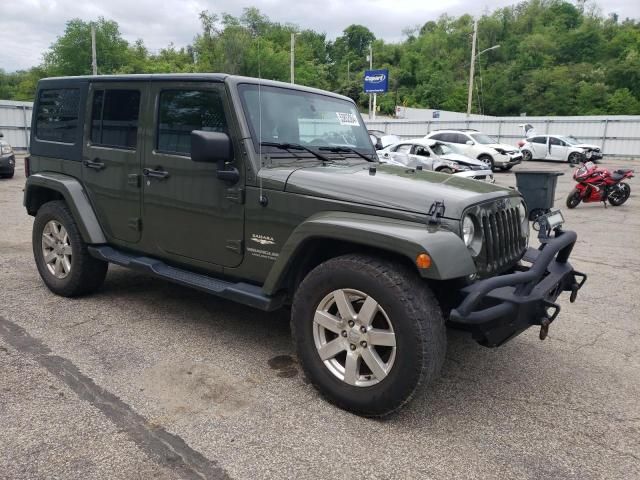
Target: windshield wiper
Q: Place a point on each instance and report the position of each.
(296, 146)
(346, 150)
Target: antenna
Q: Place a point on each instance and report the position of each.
(262, 198)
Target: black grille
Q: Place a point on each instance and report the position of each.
(503, 240)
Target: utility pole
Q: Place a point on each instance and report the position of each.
(293, 52)
(372, 113)
(94, 61)
(472, 67)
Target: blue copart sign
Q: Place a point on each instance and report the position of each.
(376, 81)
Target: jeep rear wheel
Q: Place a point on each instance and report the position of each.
(61, 255)
(368, 333)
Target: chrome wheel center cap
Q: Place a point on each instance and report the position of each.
(353, 335)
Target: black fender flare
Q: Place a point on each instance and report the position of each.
(74, 195)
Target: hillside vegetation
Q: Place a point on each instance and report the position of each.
(555, 58)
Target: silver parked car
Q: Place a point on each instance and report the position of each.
(434, 155)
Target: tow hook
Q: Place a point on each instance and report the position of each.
(574, 292)
(544, 328)
(546, 319)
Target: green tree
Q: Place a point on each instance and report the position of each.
(71, 53)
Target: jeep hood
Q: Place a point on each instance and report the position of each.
(392, 187)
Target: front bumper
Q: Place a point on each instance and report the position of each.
(507, 160)
(7, 163)
(497, 309)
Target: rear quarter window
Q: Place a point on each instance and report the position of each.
(57, 115)
(57, 124)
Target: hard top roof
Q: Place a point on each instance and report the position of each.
(184, 77)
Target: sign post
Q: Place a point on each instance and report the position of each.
(376, 81)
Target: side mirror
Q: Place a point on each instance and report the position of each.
(214, 147)
(469, 142)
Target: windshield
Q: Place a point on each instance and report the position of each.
(570, 140)
(482, 138)
(442, 149)
(297, 117)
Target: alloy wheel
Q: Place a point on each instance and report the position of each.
(354, 337)
(56, 249)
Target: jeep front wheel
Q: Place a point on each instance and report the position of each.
(61, 255)
(368, 333)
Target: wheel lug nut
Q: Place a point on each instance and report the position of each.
(363, 344)
(363, 329)
(351, 323)
(344, 333)
(352, 346)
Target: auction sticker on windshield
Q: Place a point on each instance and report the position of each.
(348, 119)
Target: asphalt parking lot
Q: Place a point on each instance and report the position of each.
(146, 379)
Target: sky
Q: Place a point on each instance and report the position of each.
(29, 27)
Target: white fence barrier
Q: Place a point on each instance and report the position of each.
(15, 123)
(618, 135)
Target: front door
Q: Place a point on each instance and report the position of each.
(188, 213)
(112, 158)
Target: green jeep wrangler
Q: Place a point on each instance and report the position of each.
(271, 195)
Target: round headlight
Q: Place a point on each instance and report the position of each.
(468, 230)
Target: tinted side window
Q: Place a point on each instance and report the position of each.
(181, 112)
(57, 115)
(438, 136)
(542, 140)
(554, 141)
(461, 138)
(114, 118)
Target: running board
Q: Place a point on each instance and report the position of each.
(245, 293)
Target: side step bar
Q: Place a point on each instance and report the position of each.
(245, 293)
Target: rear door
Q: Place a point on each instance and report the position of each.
(539, 147)
(112, 156)
(557, 149)
(401, 153)
(189, 214)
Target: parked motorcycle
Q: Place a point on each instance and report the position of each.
(597, 184)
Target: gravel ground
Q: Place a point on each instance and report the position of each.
(146, 379)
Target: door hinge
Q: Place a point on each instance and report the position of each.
(135, 223)
(133, 179)
(234, 246)
(235, 195)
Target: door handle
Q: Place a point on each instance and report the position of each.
(157, 173)
(96, 164)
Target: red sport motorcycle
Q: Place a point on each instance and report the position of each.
(597, 184)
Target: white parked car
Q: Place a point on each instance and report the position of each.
(434, 155)
(558, 147)
(481, 146)
(552, 152)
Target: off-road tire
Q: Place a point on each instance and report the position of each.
(415, 316)
(87, 273)
(488, 160)
(573, 199)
